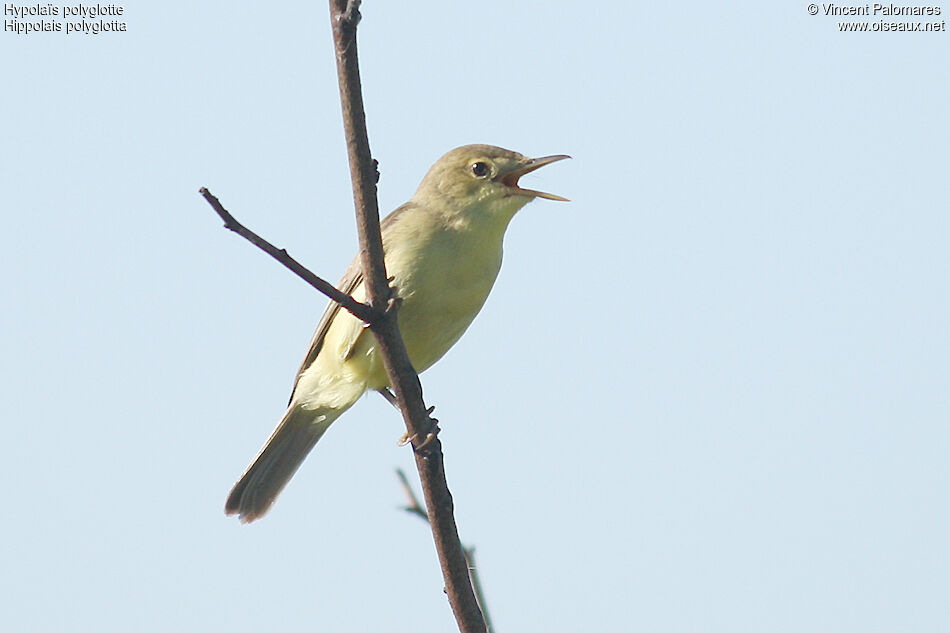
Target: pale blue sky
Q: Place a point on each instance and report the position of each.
(710, 394)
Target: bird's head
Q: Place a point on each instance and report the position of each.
(483, 177)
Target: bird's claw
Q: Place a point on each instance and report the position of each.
(411, 439)
(431, 435)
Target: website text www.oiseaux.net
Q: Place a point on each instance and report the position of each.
(886, 15)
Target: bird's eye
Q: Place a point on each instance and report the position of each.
(480, 169)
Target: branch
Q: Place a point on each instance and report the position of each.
(419, 511)
(427, 449)
(359, 310)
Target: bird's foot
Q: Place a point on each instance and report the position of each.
(430, 435)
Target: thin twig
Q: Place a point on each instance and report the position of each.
(359, 310)
(419, 511)
(477, 585)
(414, 506)
(402, 376)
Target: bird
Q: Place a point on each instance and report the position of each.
(443, 252)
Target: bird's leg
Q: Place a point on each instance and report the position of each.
(388, 395)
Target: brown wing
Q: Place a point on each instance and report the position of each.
(352, 278)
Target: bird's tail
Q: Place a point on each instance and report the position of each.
(297, 433)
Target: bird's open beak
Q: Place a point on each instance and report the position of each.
(511, 178)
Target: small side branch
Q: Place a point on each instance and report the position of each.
(359, 310)
(414, 507)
